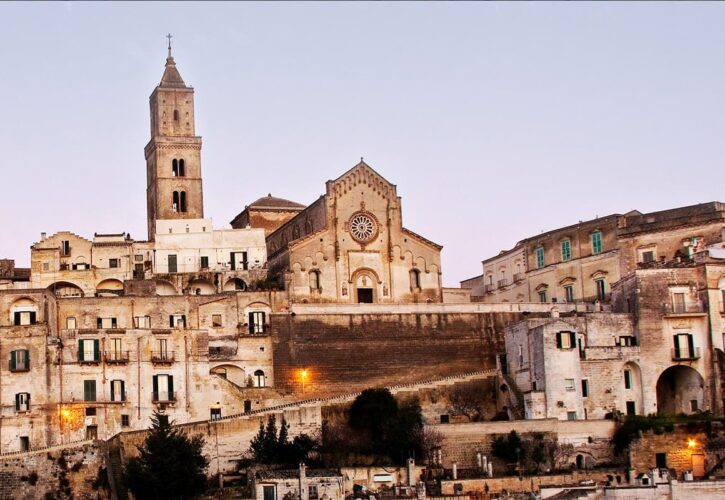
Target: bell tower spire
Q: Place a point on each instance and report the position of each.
(173, 155)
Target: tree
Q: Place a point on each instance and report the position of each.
(468, 400)
(170, 465)
(271, 447)
(505, 448)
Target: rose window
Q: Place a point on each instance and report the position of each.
(362, 227)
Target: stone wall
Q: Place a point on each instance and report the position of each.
(79, 470)
(675, 446)
(516, 484)
(349, 352)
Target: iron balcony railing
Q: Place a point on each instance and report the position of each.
(162, 357)
(116, 356)
(680, 354)
(503, 282)
(518, 277)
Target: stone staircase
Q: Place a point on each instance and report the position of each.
(515, 399)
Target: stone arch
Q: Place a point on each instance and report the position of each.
(66, 289)
(232, 373)
(109, 287)
(235, 285)
(164, 287)
(680, 389)
(365, 286)
(634, 393)
(200, 286)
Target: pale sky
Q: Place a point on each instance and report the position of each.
(495, 120)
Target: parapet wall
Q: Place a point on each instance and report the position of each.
(347, 351)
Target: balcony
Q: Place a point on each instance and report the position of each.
(161, 331)
(88, 358)
(685, 354)
(162, 357)
(19, 367)
(518, 277)
(163, 396)
(489, 288)
(683, 310)
(116, 357)
(502, 283)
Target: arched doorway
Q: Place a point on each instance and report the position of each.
(680, 389)
(63, 289)
(235, 284)
(632, 400)
(365, 285)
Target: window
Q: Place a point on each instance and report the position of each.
(89, 390)
(163, 386)
(91, 411)
(539, 257)
(661, 460)
(235, 262)
(678, 303)
(648, 256)
(693, 405)
(312, 492)
(106, 323)
(142, 321)
(684, 346)
(175, 202)
(259, 378)
(182, 201)
(314, 280)
(521, 355)
(204, 262)
(414, 279)
(585, 388)
(81, 266)
(22, 401)
(216, 413)
(569, 384)
(91, 432)
(88, 350)
(566, 340)
(24, 443)
(627, 379)
(138, 257)
(542, 296)
(216, 320)
(172, 263)
(182, 168)
(177, 321)
(113, 262)
(19, 360)
(247, 405)
(175, 167)
(125, 421)
(565, 250)
(118, 390)
(596, 242)
(46, 266)
(176, 115)
(631, 408)
(256, 322)
(569, 293)
(601, 289)
(70, 323)
(162, 351)
(24, 318)
(571, 415)
(64, 248)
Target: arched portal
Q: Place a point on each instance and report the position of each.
(235, 284)
(232, 373)
(201, 287)
(680, 389)
(109, 287)
(365, 286)
(64, 289)
(163, 287)
(632, 378)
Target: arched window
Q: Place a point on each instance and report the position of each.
(314, 280)
(176, 115)
(259, 378)
(414, 279)
(175, 201)
(174, 167)
(182, 201)
(182, 170)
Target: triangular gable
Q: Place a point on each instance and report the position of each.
(362, 173)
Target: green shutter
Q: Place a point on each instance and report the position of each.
(17, 402)
(572, 337)
(96, 352)
(171, 320)
(33, 317)
(123, 390)
(80, 350)
(27, 359)
(156, 386)
(171, 388)
(113, 393)
(558, 340)
(12, 360)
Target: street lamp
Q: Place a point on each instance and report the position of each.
(303, 377)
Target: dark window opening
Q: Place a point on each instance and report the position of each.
(204, 262)
(176, 115)
(182, 201)
(445, 419)
(24, 443)
(585, 388)
(91, 411)
(216, 414)
(182, 170)
(247, 406)
(175, 201)
(631, 408)
(113, 262)
(661, 460)
(364, 295)
(172, 263)
(125, 421)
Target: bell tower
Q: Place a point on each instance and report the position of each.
(173, 155)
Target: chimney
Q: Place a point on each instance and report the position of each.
(43, 236)
(303, 482)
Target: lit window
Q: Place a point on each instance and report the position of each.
(565, 340)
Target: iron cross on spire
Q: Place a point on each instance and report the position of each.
(169, 36)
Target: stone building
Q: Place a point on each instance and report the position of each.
(268, 213)
(350, 246)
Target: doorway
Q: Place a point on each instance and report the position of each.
(364, 295)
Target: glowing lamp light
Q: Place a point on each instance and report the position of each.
(303, 374)
(691, 443)
(65, 412)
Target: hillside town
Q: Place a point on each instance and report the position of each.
(587, 361)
